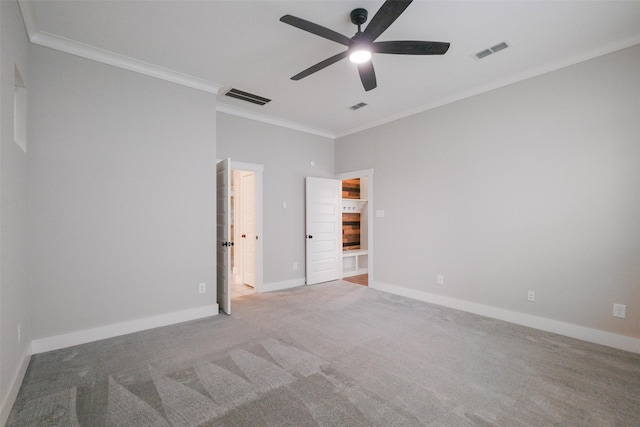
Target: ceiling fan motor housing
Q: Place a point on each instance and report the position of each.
(359, 16)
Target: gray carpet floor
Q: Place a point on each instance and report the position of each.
(334, 354)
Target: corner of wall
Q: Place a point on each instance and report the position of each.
(14, 387)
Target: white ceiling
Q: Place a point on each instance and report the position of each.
(215, 45)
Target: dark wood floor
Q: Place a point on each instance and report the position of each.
(362, 279)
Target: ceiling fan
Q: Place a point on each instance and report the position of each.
(362, 45)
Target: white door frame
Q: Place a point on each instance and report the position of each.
(368, 173)
(258, 170)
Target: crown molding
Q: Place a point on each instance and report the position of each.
(93, 53)
(550, 67)
(265, 118)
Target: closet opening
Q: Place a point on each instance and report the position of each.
(339, 228)
(355, 230)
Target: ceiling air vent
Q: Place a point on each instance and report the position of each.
(358, 106)
(499, 47)
(491, 50)
(246, 96)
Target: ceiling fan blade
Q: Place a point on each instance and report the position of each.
(367, 75)
(411, 47)
(320, 65)
(384, 17)
(316, 29)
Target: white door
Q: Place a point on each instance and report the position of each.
(249, 229)
(324, 230)
(223, 238)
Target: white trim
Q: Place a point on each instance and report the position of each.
(124, 62)
(14, 387)
(107, 57)
(56, 342)
(90, 52)
(254, 167)
(279, 286)
(355, 174)
(553, 66)
(583, 333)
(265, 118)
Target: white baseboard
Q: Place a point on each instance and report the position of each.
(278, 286)
(596, 336)
(14, 387)
(122, 328)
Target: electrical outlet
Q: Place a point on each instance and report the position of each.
(440, 279)
(19, 334)
(620, 310)
(295, 265)
(531, 296)
(202, 288)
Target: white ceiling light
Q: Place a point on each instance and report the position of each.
(360, 56)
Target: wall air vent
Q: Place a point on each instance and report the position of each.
(358, 106)
(246, 96)
(491, 50)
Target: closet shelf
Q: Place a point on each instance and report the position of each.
(354, 252)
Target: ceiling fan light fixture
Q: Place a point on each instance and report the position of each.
(363, 44)
(360, 56)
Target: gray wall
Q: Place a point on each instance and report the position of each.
(121, 195)
(13, 207)
(286, 156)
(535, 186)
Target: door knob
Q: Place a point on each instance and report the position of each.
(244, 235)
(310, 236)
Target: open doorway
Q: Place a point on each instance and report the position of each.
(243, 230)
(357, 226)
(245, 226)
(233, 200)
